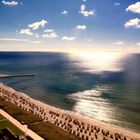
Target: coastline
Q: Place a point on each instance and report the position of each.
(51, 114)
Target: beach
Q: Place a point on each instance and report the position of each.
(82, 126)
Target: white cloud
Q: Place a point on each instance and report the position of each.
(81, 27)
(117, 4)
(135, 8)
(49, 30)
(133, 23)
(38, 24)
(35, 42)
(118, 43)
(68, 38)
(51, 35)
(36, 35)
(84, 0)
(88, 39)
(138, 44)
(14, 39)
(84, 12)
(83, 7)
(26, 31)
(64, 12)
(10, 3)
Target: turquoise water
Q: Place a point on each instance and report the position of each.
(104, 86)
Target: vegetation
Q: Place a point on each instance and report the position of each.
(17, 113)
(4, 123)
(51, 132)
(1, 117)
(47, 130)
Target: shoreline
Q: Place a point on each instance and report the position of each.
(59, 117)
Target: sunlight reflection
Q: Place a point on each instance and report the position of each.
(99, 61)
(90, 102)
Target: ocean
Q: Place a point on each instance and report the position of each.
(102, 85)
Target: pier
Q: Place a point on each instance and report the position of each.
(19, 75)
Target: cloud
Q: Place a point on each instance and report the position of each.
(84, 0)
(117, 4)
(88, 39)
(38, 24)
(9, 3)
(118, 43)
(84, 12)
(14, 39)
(49, 30)
(35, 42)
(26, 31)
(133, 23)
(138, 44)
(51, 35)
(36, 35)
(81, 27)
(135, 8)
(83, 7)
(68, 38)
(64, 12)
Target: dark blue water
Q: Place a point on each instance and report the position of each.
(105, 86)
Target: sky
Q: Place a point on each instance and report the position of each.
(66, 25)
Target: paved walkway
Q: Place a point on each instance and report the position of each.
(24, 128)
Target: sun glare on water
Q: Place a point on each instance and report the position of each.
(99, 61)
(91, 101)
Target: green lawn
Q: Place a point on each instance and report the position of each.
(51, 132)
(7, 124)
(1, 117)
(18, 113)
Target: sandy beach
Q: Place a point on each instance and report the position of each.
(82, 126)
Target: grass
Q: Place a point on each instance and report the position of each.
(51, 132)
(18, 113)
(4, 123)
(46, 130)
(13, 128)
(1, 117)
